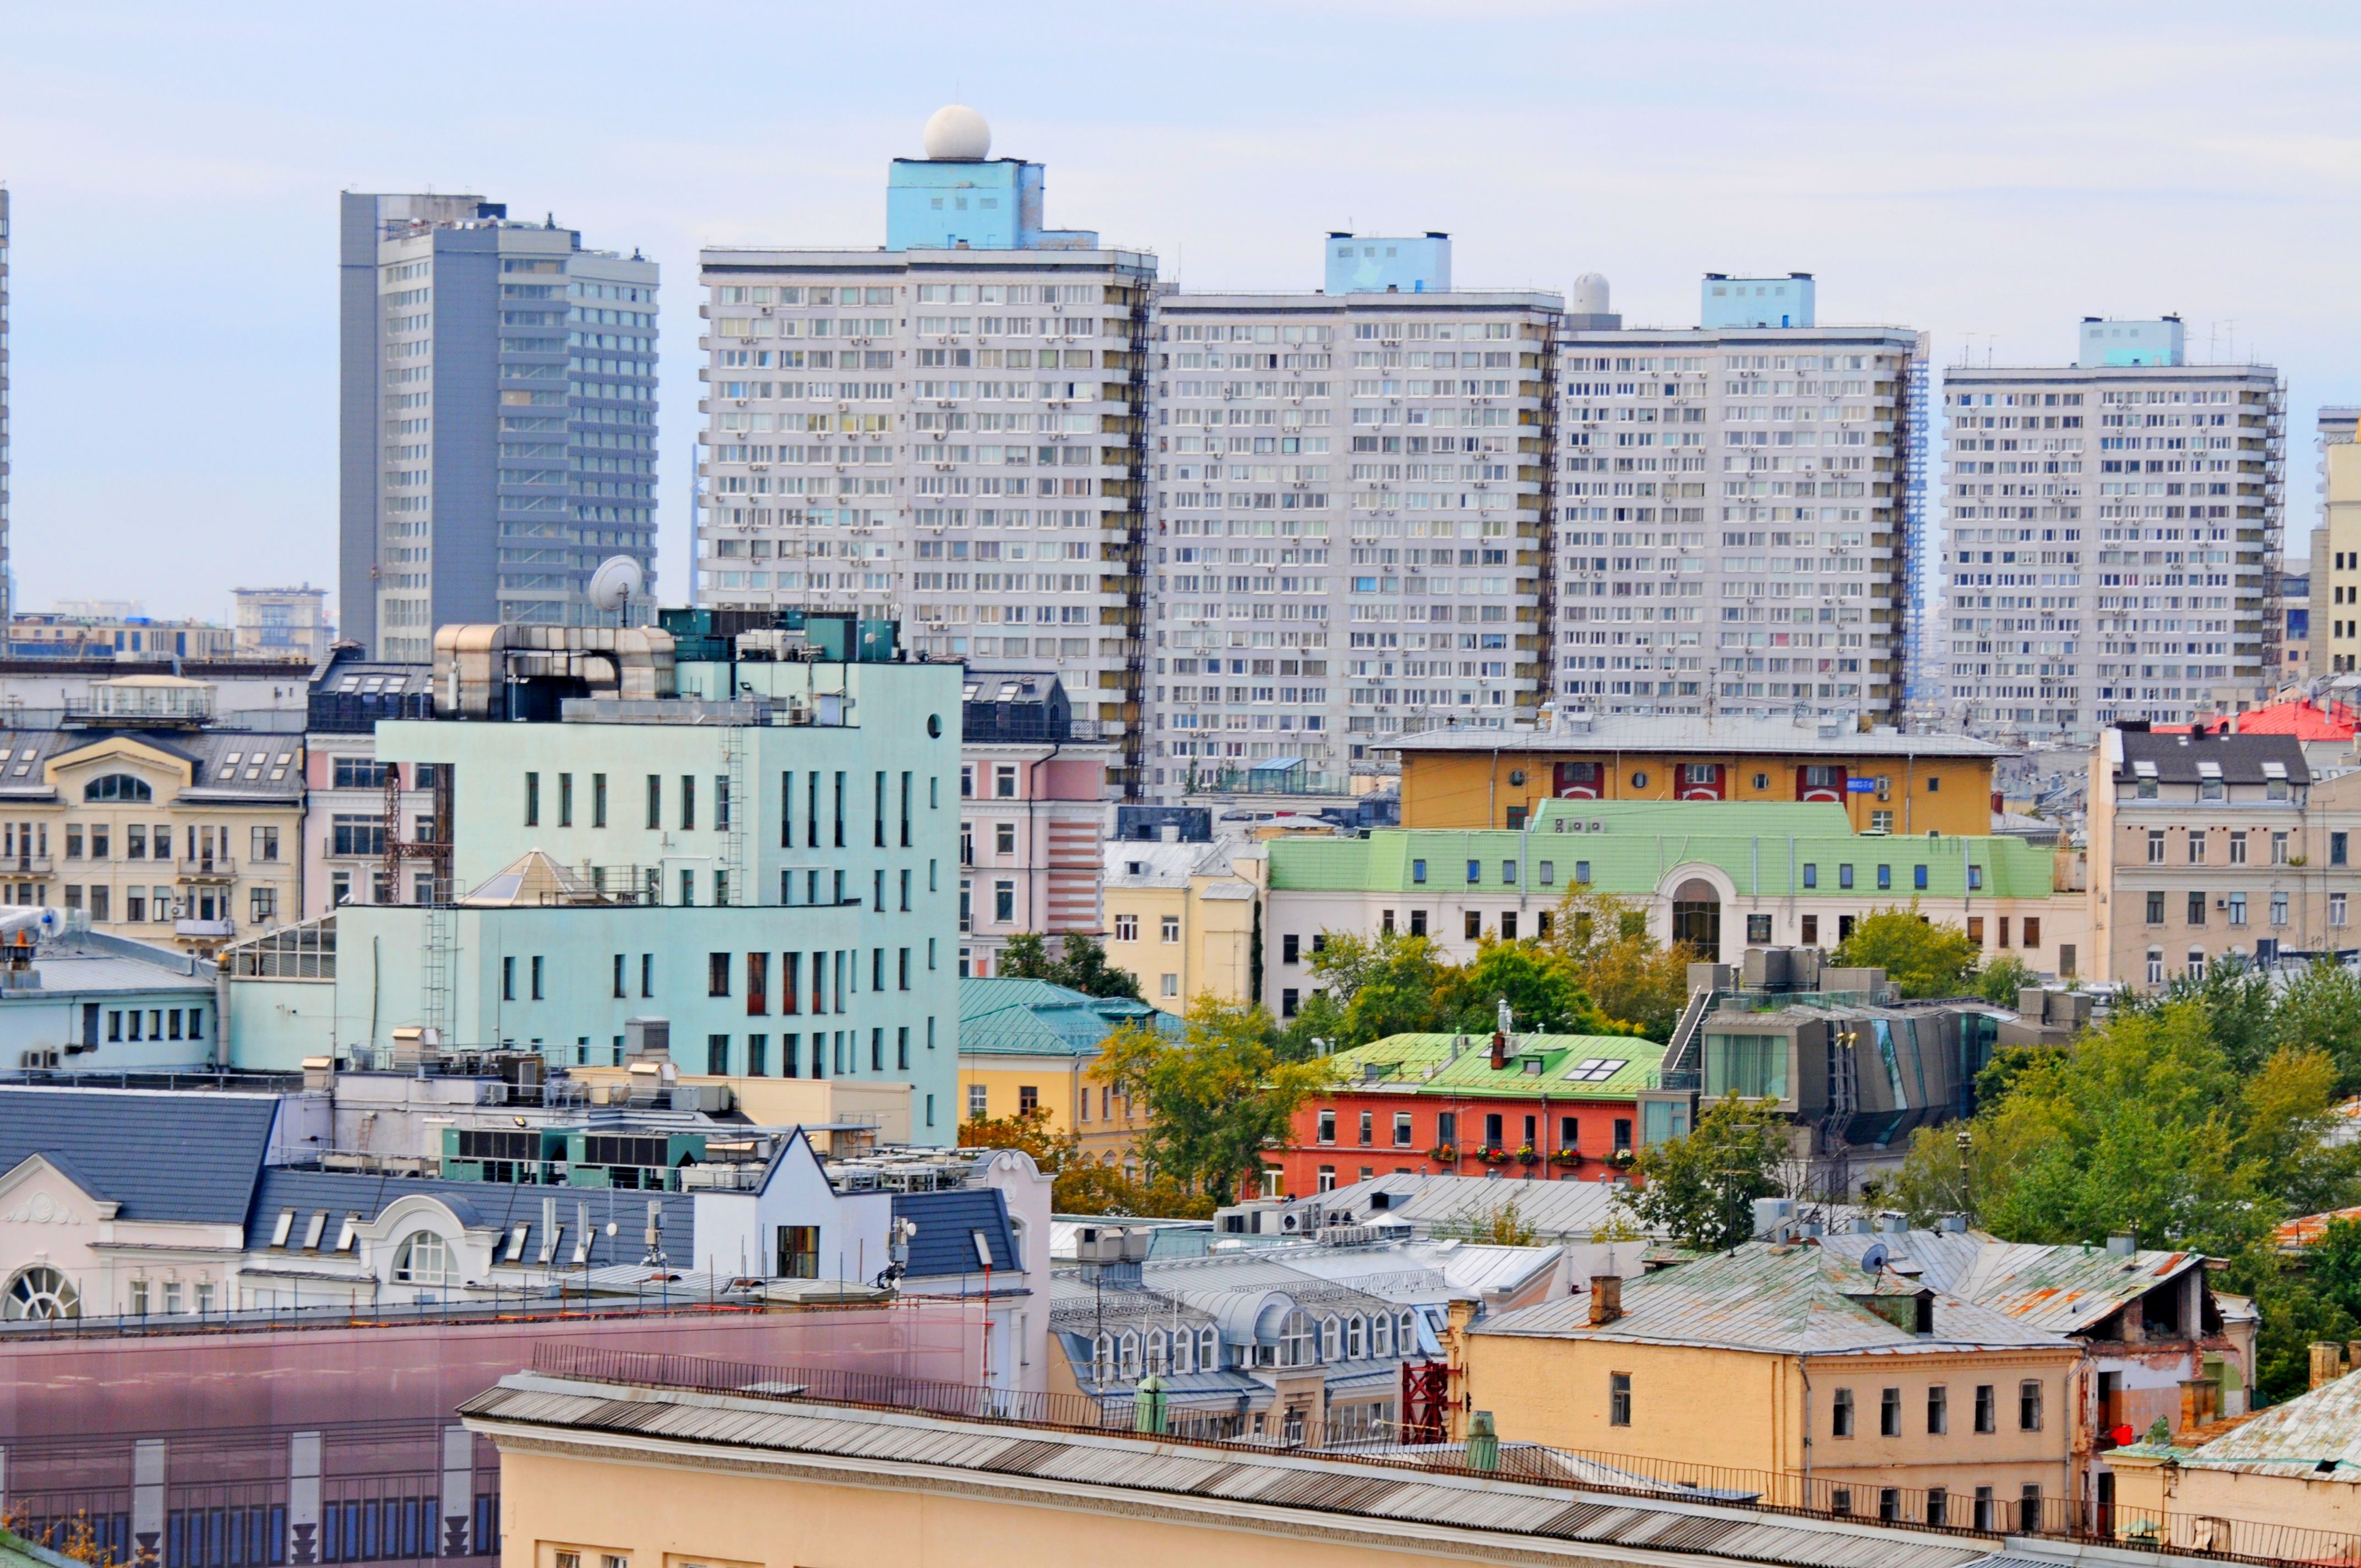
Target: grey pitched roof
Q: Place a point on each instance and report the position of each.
(26, 755)
(2240, 757)
(162, 1155)
(948, 1224)
(2063, 1290)
(495, 1204)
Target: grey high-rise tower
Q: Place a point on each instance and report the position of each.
(496, 421)
(7, 572)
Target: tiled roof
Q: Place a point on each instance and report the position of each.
(2306, 1229)
(160, 1155)
(1794, 1300)
(1035, 1019)
(1571, 1067)
(1759, 848)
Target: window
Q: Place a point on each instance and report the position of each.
(1840, 1413)
(1811, 874)
(1003, 901)
(2028, 1405)
(1844, 876)
(1028, 1099)
(1918, 878)
(1885, 876)
(1939, 1413)
(1418, 871)
(1402, 1129)
(1169, 928)
(978, 1103)
(2237, 849)
(536, 977)
(1004, 837)
(2197, 909)
(717, 1055)
(423, 1258)
(2155, 966)
(655, 800)
(1472, 923)
(262, 844)
(532, 800)
(565, 800)
(598, 801)
(117, 786)
(1889, 1413)
(508, 978)
(2238, 910)
(1618, 1398)
(1291, 948)
(1328, 1127)
(359, 773)
(2336, 849)
(1889, 1503)
(798, 1252)
(2278, 908)
(1987, 1408)
(2155, 846)
(2196, 846)
(2336, 909)
(1126, 930)
(262, 905)
(1939, 1506)
(1368, 1128)
(1475, 871)
(2156, 908)
(716, 974)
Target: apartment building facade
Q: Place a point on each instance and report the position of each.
(1735, 523)
(1353, 500)
(497, 415)
(1032, 790)
(2213, 846)
(951, 429)
(7, 580)
(2075, 595)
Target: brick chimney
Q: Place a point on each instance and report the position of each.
(1606, 1299)
(1500, 1051)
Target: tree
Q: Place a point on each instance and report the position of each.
(1078, 1184)
(1081, 964)
(1504, 1226)
(1700, 1190)
(1213, 1098)
(1631, 977)
(2001, 980)
(1395, 985)
(1924, 958)
(1543, 994)
(2322, 1008)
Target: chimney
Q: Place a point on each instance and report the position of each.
(2327, 1360)
(1500, 1051)
(1607, 1299)
(2121, 1246)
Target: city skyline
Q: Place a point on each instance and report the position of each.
(1957, 209)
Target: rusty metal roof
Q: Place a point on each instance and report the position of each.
(1794, 1300)
(2315, 1437)
(2064, 1289)
(1561, 1520)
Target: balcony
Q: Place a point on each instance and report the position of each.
(206, 868)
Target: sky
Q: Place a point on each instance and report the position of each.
(1989, 174)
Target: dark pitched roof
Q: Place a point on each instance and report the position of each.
(947, 1222)
(158, 1154)
(496, 1205)
(2240, 757)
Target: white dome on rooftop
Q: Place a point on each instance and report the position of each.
(956, 134)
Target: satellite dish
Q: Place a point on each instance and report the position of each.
(616, 580)
(1873, 1257)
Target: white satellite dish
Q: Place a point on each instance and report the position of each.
(1873, 1257)
(616, 580)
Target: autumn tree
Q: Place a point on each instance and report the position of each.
(1215, 1098)
(1629, 975)
(1924, 958)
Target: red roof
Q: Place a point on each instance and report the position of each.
(2309, 1228)
(2301, 720)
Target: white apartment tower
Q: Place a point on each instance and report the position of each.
(951, 429)
(8, 571)
(1352, 507)
(1734, 523)
(2115, 528)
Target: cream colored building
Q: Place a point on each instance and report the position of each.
(2285, 1484)
(2336, 564)
(1181, 919)
(141, 815)
(1857, 1391)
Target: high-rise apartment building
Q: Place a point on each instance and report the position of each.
(1354, 494)
(2334, 427)
(1734, 521)
(2116, 533)
(7, 570)
(953, 429)
(497, 419)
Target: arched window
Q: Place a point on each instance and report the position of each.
(1381, 1334)
(1129, 1347)
(1406, 1333)
(1357, 1338)
(41, 1292)
(1332, 1339)
(1295, 1348)
(1209, 1350)
(423, 1258)
(1160, 1354)
(2197, 963)
(1102, 1359)
(1184, 1351)
(117, 786)
(2155, 966)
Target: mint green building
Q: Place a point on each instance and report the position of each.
(1724, 876)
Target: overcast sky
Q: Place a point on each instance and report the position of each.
(1990, 174)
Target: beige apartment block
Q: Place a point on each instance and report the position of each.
(1180, 918)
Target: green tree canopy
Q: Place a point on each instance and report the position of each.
(1630, 976)
(1924, 958)
(1215, 1098)
(1701, 1189)
(1081, 964)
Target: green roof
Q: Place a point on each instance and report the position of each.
(1571, 1067)
(1764, 849)
(1035, 1019)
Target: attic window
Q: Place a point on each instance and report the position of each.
(516, 1244)
(2144, 769)
(2209, 770)
(549, 1244)
(982, 1248)
(349, 1233)
(2274, 770)
(279, 1232)
(1596, 1069)
(311, 1229)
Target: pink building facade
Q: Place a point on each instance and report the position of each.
(1032, 817)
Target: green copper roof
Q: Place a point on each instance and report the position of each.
(1563, 1067)
(1767, 849)
(1034, 1018)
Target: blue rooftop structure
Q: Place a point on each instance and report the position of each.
(957, 198)
(1376, 264)
(2113, 343)
(1727, 301)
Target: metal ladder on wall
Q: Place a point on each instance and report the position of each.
(733, 838)
(435, 958)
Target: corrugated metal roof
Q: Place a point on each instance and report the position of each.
(159, 1155)
(1788, 1300)
(2059, 1288)
(2316, 1437)
(1557, 1210)
(1322, 1483)
(1035, 1019)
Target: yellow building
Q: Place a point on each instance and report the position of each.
(1180, 918)
(2285, 1484)
(1859, 1392)
(1027, 1044)
(2337, 565)
(626, 1463)
(140, 816)
(1886, 782)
